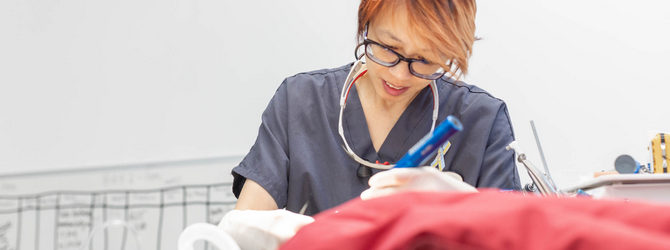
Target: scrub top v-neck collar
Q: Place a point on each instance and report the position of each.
(410, 127)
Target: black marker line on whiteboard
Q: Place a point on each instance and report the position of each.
(90, 220)
(160, 221)
(104, 220)
(125, 218)
(207, 217)
(183, 208)
(18, 225)
(37, 222)
(56, 221)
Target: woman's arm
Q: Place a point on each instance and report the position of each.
(256, 223)
(254, 197)
(260, 181)
(498, 166)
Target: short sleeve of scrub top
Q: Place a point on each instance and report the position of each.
(298, 156)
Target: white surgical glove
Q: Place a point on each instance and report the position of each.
(414, 179)
(262, 229)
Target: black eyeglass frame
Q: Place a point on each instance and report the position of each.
(367, 41)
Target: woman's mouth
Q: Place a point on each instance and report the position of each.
(393, 89)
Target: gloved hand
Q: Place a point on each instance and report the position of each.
(262, 229)
(414, 179)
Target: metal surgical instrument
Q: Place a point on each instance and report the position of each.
(542, 180)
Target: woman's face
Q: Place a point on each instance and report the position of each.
(396, 83)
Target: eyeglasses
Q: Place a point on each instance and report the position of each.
(388, 57)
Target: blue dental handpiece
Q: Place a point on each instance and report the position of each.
(430, 143)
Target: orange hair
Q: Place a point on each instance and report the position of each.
(448, 26)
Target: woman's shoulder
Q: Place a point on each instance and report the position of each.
(318, 88)
(467, 96)
(479, 111)
(329, 77)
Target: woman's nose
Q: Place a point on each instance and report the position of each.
(401, 71)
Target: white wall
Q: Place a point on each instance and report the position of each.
(88, 83)
(592, 74)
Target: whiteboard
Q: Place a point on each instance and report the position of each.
(62, 210)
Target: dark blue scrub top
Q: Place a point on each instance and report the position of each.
(298, 155)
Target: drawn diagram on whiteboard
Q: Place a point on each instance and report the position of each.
(64, 220)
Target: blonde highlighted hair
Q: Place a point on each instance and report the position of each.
(447, 26)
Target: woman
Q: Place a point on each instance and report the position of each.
(412, 50)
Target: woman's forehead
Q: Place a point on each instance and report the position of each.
(393, 23)
(402, 39)
(408, 44)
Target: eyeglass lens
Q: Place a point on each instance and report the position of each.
(387, 57)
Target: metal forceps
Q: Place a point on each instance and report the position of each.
(542, 180)
(544, 184)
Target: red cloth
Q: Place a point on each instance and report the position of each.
(486, 220)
